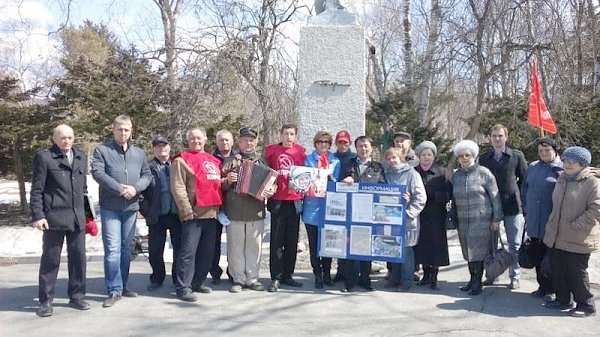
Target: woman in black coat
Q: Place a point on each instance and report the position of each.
(432, 249)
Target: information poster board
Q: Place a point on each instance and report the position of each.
(363, 221)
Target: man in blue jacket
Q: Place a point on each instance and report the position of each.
(57, 208)
(122, 174)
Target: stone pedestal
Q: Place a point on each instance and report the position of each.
(332, 72)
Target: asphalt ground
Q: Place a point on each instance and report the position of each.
(304, 311)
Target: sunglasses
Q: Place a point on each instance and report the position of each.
(323, 142)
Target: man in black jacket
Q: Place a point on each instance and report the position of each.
(362, 169)
(508, 166)
(57, 209)
(160, 212)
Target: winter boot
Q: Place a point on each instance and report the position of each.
(434, 274)
(477, 284)
(468, 286)
(426, 276)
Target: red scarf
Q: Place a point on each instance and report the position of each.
(323, 161)
(207, 170)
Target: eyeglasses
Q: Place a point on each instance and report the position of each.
(323, 142)
(465, 155)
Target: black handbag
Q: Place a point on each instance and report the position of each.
(498, 260)
(526, 254)
(451, 221)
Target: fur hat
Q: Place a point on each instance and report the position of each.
(466, 144)
(426, 145)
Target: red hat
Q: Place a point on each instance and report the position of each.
(342, 135)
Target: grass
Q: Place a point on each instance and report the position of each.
(11, 215)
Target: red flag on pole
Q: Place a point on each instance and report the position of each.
(539, 116)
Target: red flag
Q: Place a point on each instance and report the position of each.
(539, 116)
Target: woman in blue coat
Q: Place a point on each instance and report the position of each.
(322, 158)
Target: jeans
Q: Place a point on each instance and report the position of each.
(513, 225)
(403, 273)
(118, 229)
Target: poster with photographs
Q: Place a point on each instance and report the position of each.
(310, 181)
(333, 241)
(370, 217)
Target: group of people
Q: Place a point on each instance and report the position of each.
(192, 195)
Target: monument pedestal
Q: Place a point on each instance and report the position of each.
(332, 76)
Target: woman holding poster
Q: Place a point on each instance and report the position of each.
(325, 160)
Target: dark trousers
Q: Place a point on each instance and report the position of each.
(570, 276)
(544, 281)
(196, 252)
(320, 265)
(285, 225)
(157, 236)
(52, 243)
(356, 272)
(215, 270)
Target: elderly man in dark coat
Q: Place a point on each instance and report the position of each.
(57, 209)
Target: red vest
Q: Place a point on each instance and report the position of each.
(281, 159)
(207, 170)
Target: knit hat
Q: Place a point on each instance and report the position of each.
(426, 145)
(466, 144)
(578, 154)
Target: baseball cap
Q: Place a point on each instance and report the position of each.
(159, 139)
(343, 136)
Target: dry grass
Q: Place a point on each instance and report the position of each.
(11, 215)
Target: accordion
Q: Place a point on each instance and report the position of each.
(254, 179)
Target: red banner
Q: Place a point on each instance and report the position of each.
(539, 116)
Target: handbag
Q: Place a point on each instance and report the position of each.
(526, 254)
(451, 221)
(498, 260)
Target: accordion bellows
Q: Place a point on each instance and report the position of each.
(254, 179)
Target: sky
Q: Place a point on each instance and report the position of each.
(29, 45)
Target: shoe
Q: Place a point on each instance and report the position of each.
(79, 303)
(434, 273)
(202, 289)
(538, 293)
(426, 277)
(327, 280)
(153, 286)
(556, 304)
(477, 286)
(403, 288)
(579, 313)
(367, 287)
(256, 286)
(129, 293)
(289, 281)
(318, 282)
(514, 284)
(236, 288)
(274, 287)
(468, 286)
(45, 309)
(346, 290)
(187, 296)
(549, 297)
(111, 300)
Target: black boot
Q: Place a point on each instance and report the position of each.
(426, 276)
(468, 286)
(327, 279)
(434, 274)
(477, 284)
(318, 281)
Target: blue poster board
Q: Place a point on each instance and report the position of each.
(362, 221)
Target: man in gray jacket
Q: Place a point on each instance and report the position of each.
(122, 173)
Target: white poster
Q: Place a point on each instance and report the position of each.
(333, 241)
(335, 207)
(360, 240)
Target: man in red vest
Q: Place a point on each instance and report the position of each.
(196, 188)
(285, 207)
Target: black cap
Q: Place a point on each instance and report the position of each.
(547, 141)
(403, 134)
(247, 131)
(160, 139)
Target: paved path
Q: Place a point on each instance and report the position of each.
(303, 312)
